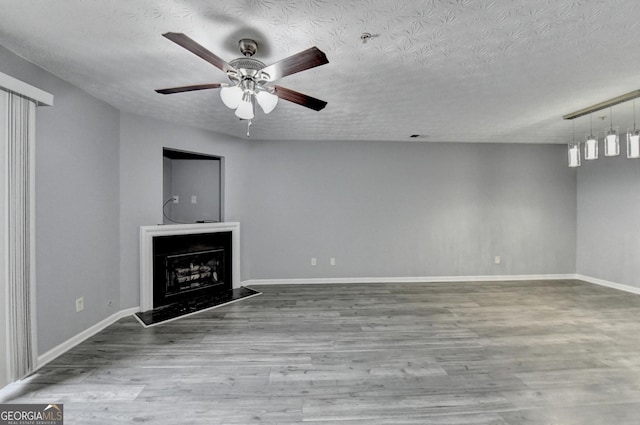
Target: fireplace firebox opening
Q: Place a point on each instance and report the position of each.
(191, 266)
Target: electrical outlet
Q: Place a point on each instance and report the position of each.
(176, 199)
(79, 304)
(496, 259)
(314, 261)
(194, 199)
(332, 261)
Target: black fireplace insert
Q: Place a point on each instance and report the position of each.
(190, 266)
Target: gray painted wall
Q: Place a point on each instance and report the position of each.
(382, 209)
(77, 209)
(409, 209)
(141, 180)
(608, 237)
(194, 177)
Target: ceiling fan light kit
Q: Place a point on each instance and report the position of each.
(611, 139)
(267, 101)
(231, 96)
(246, 110)
(250, 78)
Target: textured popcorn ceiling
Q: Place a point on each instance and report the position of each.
(452, 70)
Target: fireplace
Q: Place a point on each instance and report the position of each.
(190, 266)
(184, 261)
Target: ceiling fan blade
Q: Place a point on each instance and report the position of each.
(189, 88)
(306, 59)
(184, 41)
(299, 98)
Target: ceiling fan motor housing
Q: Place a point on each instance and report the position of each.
(247, 68)
(249, 64)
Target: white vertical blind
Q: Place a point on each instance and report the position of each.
(18, 339)
(20, 266)
(4, 243)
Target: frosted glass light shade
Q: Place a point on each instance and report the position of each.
(231, 96)
(633, 144)
(246, 109)
(591, 147)
(611, 143)
(267, 101)
(574, 155)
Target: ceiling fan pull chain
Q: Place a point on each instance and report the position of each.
(249, 128)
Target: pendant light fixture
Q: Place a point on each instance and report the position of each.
(633, 138)
(591, 144)
(574, 149)
(611, 139)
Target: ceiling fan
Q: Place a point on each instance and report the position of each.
(250, 78)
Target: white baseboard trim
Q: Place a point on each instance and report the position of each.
(608, 284)
(87, 333)
(444, 279)
(419, 279)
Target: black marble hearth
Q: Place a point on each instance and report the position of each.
(194, 305)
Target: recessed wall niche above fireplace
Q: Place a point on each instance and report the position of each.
(191, 260)
(192, 187)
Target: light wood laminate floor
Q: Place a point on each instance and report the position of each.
(532, 352)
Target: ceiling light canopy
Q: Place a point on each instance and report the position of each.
(603, 105)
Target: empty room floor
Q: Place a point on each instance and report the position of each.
(529, 352)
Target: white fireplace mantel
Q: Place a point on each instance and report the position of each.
(147, 233)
